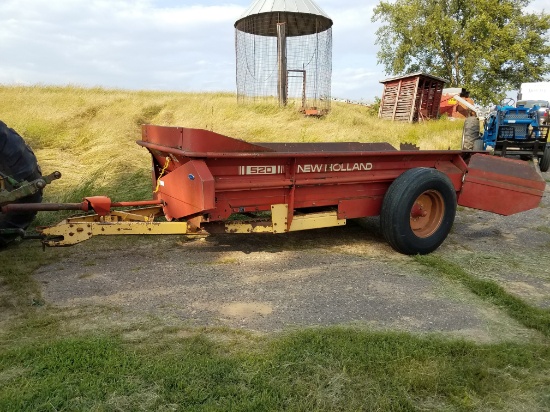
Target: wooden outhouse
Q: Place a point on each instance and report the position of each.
(411, 97)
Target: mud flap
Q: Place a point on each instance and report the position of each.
(500, 185)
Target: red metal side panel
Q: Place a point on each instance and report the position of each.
(196, 140)
(499, 185)
(187, 190)
(353, 208)
(166, 136)
(453, 172)
(354, 184)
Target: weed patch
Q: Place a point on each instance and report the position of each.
(17, 264)
(531, 317)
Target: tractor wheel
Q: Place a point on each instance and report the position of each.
(19, 162)
(418, 211)
(478, 145)
(470, 133)
(544, 162)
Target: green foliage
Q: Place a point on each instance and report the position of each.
(375, 107)
(412, 137)
(331, 369)
(487, 46)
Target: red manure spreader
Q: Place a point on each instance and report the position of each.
(205, 182)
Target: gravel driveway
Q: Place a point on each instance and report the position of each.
(345, 275)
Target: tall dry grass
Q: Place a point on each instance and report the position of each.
(89, 134)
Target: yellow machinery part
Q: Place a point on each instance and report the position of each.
(140, 222)
(279, 222)
(70, 233)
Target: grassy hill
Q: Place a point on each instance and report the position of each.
(89, 134)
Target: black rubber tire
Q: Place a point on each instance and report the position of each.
(478, 145)
(397, 210)
(544, 161)
(470, 133)
(18, 161)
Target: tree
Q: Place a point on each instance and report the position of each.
(486, 46)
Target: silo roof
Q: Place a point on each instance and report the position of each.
(299, 15)
(294, 6)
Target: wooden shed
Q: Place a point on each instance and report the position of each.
(411, 97)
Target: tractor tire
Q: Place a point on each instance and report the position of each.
(544, 161)
(478, 145)
(18, 161)
(418, 211)
(470, 133)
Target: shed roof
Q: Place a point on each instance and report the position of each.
(415, 74)
(302, 17)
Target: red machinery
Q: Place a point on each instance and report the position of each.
(203, 180)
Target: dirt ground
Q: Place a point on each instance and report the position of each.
(345, 275)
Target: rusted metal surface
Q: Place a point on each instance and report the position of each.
(427, 213)
(327, 147)
(71, 233)
(195, 140)
(140, 221)
(100, 204)
(408, 146)
(43, 207)
(499, 185)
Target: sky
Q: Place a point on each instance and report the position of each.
(173, 45)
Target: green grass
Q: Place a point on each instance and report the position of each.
(314, 369)
(529, 316)
(17, 265)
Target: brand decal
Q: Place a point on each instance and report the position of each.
(334, 167)
(261, 170)
(307, 168)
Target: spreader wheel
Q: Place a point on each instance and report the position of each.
(19, 162)
(544, 162)
(470, 133)
(418, 211)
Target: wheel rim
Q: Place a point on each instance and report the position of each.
(427, 213)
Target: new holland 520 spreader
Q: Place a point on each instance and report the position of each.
(205, 182)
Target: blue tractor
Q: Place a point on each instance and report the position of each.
(510, 131)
